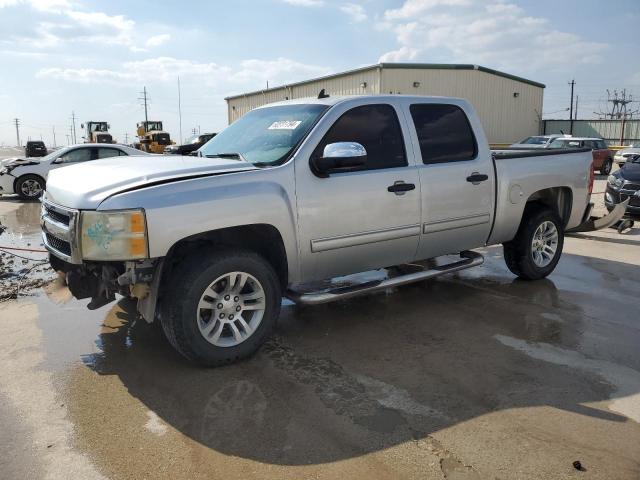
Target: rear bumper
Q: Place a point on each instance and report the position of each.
(589, 223)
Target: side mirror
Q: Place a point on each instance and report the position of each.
(82, 125)
(339, 156)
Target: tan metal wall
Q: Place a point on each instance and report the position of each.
(348, 84)
(505, 118)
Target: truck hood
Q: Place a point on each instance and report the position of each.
(86, 185)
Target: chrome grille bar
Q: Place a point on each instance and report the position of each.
(59, 231)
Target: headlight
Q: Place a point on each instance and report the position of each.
(114, 235)
(614, 181)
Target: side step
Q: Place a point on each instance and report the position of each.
(469, 259)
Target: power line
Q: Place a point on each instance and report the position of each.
(145, 99)
(73, 132)
(179, 110)
(572, 83)
(17, 122)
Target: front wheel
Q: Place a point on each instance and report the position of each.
(535, 251)
(30, 187)
(606, 167)
(220, 307)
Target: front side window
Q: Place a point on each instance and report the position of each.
(77, 155)
(444, 133)
(377, 129)
(265, 136)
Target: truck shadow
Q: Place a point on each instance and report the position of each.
(345, 379)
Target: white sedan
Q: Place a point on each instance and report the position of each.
(27, 176)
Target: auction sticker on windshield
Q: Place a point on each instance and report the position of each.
(285, 125)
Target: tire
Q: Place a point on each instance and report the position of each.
(519, 253)
(30, 187)
(606, 167)
(195, 282)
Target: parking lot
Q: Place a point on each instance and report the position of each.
(474, 375)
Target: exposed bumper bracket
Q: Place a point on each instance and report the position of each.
(469, 259)
(598, 223)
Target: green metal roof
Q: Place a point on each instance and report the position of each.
(417, 66)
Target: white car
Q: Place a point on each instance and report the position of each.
(538, 141)
(27, 176)
(624, 154)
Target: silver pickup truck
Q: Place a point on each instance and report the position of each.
(302, 191)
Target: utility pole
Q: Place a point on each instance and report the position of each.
(576, 112)
(66, 135)
(572, 83)
(179, 110)
(126, 139)
(53, 128)
(73, 120)
(145, 99)
(17, 122)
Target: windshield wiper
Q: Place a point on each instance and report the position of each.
(237, 156)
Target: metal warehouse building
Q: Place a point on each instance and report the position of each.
(510, 107)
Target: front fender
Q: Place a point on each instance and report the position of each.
(185, 208)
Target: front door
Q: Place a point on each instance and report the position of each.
(358, 220)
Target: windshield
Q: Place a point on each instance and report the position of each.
(534, 140)
(266, 135)
(99, 127)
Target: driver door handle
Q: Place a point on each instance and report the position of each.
(399, 187)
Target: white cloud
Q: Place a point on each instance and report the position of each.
(498, 33)
(411, 8)
(249, 74)
(355, 11)
(158, 40)
(304, 3)
(54, 23)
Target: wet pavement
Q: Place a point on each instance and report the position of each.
(474, 375)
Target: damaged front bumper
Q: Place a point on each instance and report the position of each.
(102, 281)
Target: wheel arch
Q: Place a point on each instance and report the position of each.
(558, 199)
(262, 238)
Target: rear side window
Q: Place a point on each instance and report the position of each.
(377, 129)
(108, 152)
(444, 133)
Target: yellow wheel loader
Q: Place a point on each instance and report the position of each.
(152, 138)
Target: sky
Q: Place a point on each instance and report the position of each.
(93, 58)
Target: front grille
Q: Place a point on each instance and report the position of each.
(631, 186)
(57, 216)
(59, 245)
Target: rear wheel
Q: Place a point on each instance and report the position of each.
(220, 307)
(535, 251)
(606, 167)
(30, 187)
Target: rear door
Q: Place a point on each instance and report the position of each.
(357, 220)
(456, 176)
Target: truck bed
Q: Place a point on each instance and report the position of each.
(517, 179)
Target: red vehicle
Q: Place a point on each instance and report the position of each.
(602, 156)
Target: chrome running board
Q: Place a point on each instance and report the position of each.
(469, 259)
